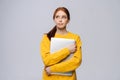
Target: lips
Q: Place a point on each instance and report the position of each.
(60, 23)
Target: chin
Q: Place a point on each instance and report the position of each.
(61, 27)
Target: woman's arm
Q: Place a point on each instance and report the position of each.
(48, 58)
(70, 64)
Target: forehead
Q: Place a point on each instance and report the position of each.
(60, 12)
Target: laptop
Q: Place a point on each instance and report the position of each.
(57, 44)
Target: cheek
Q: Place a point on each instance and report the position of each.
(66, 21)
(55, 21)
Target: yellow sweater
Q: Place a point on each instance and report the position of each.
(52, 60)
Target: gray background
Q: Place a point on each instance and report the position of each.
(23, 22)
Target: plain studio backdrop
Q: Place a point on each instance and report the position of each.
(23, 22)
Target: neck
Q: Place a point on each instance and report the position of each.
(62, 31)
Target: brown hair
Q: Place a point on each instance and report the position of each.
(52, 32)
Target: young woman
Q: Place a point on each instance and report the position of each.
(52, 61)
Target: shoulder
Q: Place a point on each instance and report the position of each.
(44, 37)
(74, 35)
(77, 38)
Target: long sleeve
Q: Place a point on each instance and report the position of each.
(48, 58)
(72, 63)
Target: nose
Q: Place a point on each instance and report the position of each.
(60, 19)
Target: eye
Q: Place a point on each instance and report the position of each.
(64, 17)
(56, 16)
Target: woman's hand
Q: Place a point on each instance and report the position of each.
(47, 69)
(72, 48)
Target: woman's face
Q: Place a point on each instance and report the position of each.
(61, 19)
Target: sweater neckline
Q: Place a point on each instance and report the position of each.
(57, 34)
